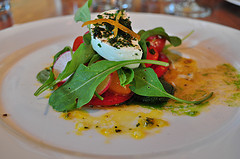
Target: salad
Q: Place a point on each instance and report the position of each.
(110, 65)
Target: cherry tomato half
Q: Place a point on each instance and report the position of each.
(158, 69)
(157, 42)
(110, 98)
(77, 42)
(116, 87)
(152, 54)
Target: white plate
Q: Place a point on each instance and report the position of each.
(236, 2)
(33, 130)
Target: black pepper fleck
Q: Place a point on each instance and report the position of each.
(5, 115)
(138, 124)
(149, 121)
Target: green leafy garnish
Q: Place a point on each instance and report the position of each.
(146, 83)
(83, 14)
(95, 58)
(184, 38)
(43, 75)
(47, 84)
(80, 88)
(125, 75)
(175, 41)
(82, 55)
(73, 93)
(87, 38)
(156, 102)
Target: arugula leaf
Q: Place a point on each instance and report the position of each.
(122, 76)
(47, 84)
(125, 75)
(89, 3)
(153, 101)
(146, 83)
(175, 41)
(43, 75)
(94, 59)
(184, 38)
(87, 38)
(82, 55)
(73, 94)
(83, 14)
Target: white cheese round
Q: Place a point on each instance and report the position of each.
(111, 53)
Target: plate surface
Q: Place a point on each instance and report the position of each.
(33, 130)
(236, 2)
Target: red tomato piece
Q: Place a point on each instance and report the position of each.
(163, 57)
(160, 70)
(152, 54)
(157, 42)
(116, 87)
(77, 42)
(60, 83)
(110, 98)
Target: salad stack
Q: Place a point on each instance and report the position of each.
(110, 65)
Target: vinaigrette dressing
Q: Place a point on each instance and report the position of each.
(133, 121)
(192, 83)
(139, 121)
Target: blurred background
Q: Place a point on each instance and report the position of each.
(22, 11)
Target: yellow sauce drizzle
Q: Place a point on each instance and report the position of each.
(133, 121)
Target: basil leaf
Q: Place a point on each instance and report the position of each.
(73, 93)
(175, 41)
(83, 14)
(125, 75)
(146, 83)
